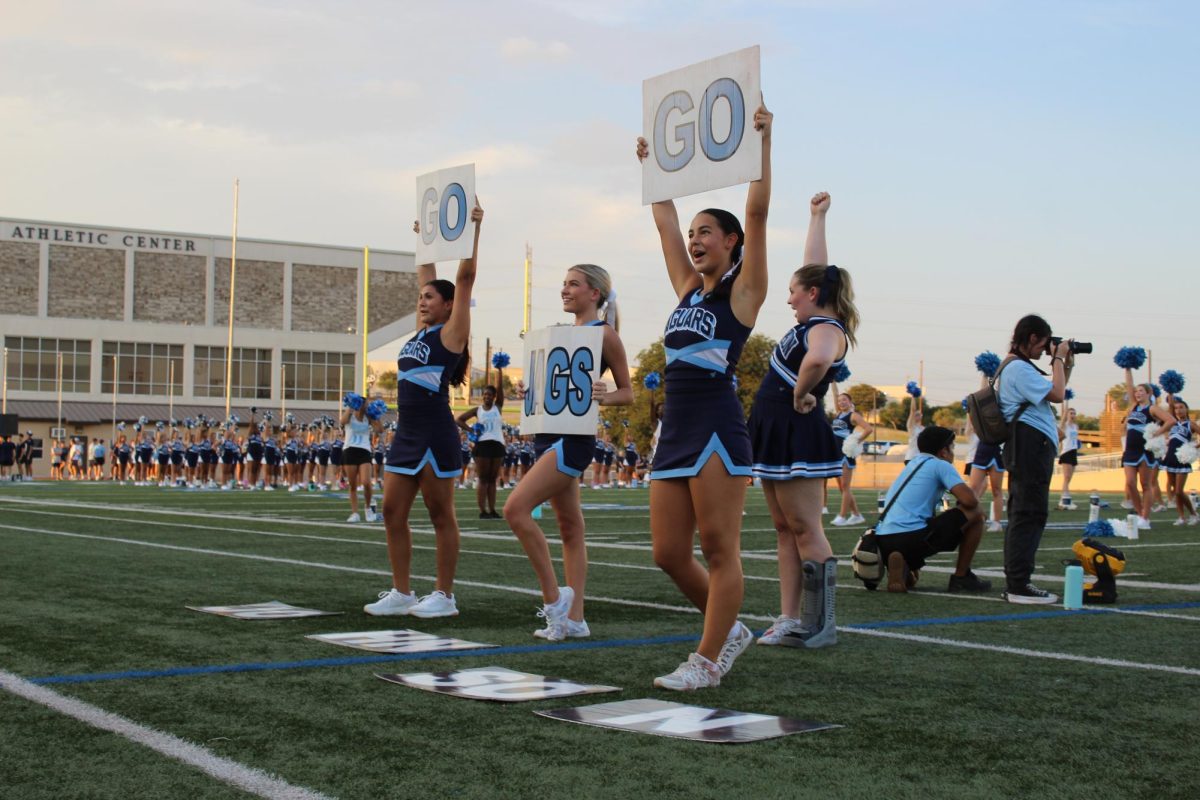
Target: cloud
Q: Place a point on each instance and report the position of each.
(524, 50)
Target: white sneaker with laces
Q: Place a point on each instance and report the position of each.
(994, 527)
(392, 603)
(434, 605)
(735, 644)
(1143, 524)
(1195, 520)
(555, 615)
(855, 519)
(783, 625)
(695, 673)
(838, 521)
(575, 630)
(1126, 504)
(370, 516)
(824, 510)
(1179, 523)
(353, 518)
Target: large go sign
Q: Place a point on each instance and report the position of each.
(444, 202)
(562, 364)
(699, 123)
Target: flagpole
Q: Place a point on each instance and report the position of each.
(114, 408)
(232, 281)
(528, 285)
(170, 389)
(60, 368)
(366, 305)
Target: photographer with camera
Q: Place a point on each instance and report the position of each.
(1025, 396)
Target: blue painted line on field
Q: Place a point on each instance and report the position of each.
(1048, 614)
(348, 661)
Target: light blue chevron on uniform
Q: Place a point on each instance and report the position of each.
(708, 355)
(426, 377)
(782, 371)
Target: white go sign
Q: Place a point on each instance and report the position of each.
(699, 124)
(562, 363)
(444, 202)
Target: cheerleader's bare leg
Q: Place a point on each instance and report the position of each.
(399, 493)
(438, 496)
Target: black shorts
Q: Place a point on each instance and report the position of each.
(489, 448)
(1070, 457)
(943, 534)
(356, 456)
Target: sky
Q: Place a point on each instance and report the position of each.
(985, 159)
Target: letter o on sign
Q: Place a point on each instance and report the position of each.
(452, 232)
(727, 88)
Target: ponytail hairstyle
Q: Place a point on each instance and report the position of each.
(836, 291)
(446, 289)
(728, 223)
(599, 279)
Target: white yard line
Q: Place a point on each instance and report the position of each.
(248, 779)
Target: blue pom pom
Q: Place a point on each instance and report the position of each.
(652, 381)
(500, 359)
(913, 389)
(964, 404)
(1099, 529)
(1130, 357)
(477, 428)
(842, 373)
(376, 409)
(1171, 381)
(1070, 395)
(1157, 390)
(987, 362)
(353, 401)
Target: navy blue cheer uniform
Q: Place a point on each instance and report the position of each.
(254, 448)
(572, 451)
(163, 454)
(229, 451)
(426, 432)
(124, 451)
(1181, 434)
(525, 454)
(788, 444)
(702, 414)
(631, 455)
(192, 455)
(466, 453)
(271, 452)
(335, 451)
(177, 453)
(843, 426)
(510, 454)
(598, 454)
(988, 456)
(1135, 438)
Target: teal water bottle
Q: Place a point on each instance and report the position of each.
(1073, 590)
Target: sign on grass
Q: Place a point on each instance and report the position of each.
(496, 683)
(444, 202)
(699, 124)
(562, 363)
(404, 641)
(272, 610)
(662, 718)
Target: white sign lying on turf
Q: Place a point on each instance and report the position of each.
(496, 683)
(444, 202)
(562, 363)
(662, 718)
(271, 610)
(405, 641)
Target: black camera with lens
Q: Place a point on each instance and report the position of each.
(1076, 347)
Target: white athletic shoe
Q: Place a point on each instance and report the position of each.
(268, 488)
(735, 644)
(370, 516)
(1143, 524)
(295, 487)
(575, 630)
(782, 626)
(1179, 523)
(695, 673)
(994, 527)
(1195, 520)
(433, 605)
(555, 614)
(392, 603)
(354, 517)
(838, 521)
(1154, 509)
(824, 510)
(1126, 504)
(855, 519)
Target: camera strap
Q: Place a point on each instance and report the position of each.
(896, 496)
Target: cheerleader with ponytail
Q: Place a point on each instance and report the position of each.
(1181, 450)
(1141, 424)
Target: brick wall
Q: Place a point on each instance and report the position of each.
(324, 298)
(393, 295)
(18, 278)
(259, 301)
(86, 282)
(169, 288)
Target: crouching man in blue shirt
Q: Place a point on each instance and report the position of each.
(911, 531)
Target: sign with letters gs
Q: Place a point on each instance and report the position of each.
(562, 363)
(699, 124)
(444, 202)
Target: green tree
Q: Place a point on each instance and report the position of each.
(895, 414)
(866, 397)
(1117, 393)
(386, 380)
(1087, 423)
(950, 416)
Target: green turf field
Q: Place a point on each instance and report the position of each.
(940, 695)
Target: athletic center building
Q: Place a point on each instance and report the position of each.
(146, 313)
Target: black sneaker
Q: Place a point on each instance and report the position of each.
(1030, 595)
(968, 583)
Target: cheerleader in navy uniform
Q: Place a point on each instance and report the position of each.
(1179, 435)
(987, 471)
(561, 459)
(631, 459)
(192, 457)
(489, 445)
(704, 456)
(254, 454)
(795, 447)
(848, 424)
(424, 454)
(1138, 463)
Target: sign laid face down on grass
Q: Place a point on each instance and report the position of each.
(404, 641)
(663, 718)
(444, 202)
(496, 683)
(562, 363)
(699, 123)
(270, 610)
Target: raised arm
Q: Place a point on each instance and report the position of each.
(499, 387)
(458, 328)
(815, 249)
(750, 290)
(1129, 386)
(425, 272)
(684, 277)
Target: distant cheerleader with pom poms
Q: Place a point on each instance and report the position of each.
(1181, 450)
(1141, 424)
(987, 460)
(916, 420)
(489, 439)
(1068, 459)
(852, 429)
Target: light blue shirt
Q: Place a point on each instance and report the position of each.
(917, 503)
(1021, 383)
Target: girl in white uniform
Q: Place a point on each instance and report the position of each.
(356, 457)
(489, 445)
(1068, 459)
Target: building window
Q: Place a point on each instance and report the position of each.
(142, 368)
(33, 364)
(251, 372)
(317, 376)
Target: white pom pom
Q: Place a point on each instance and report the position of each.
(1187, 453)
(1157, 446)
(852, 447)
